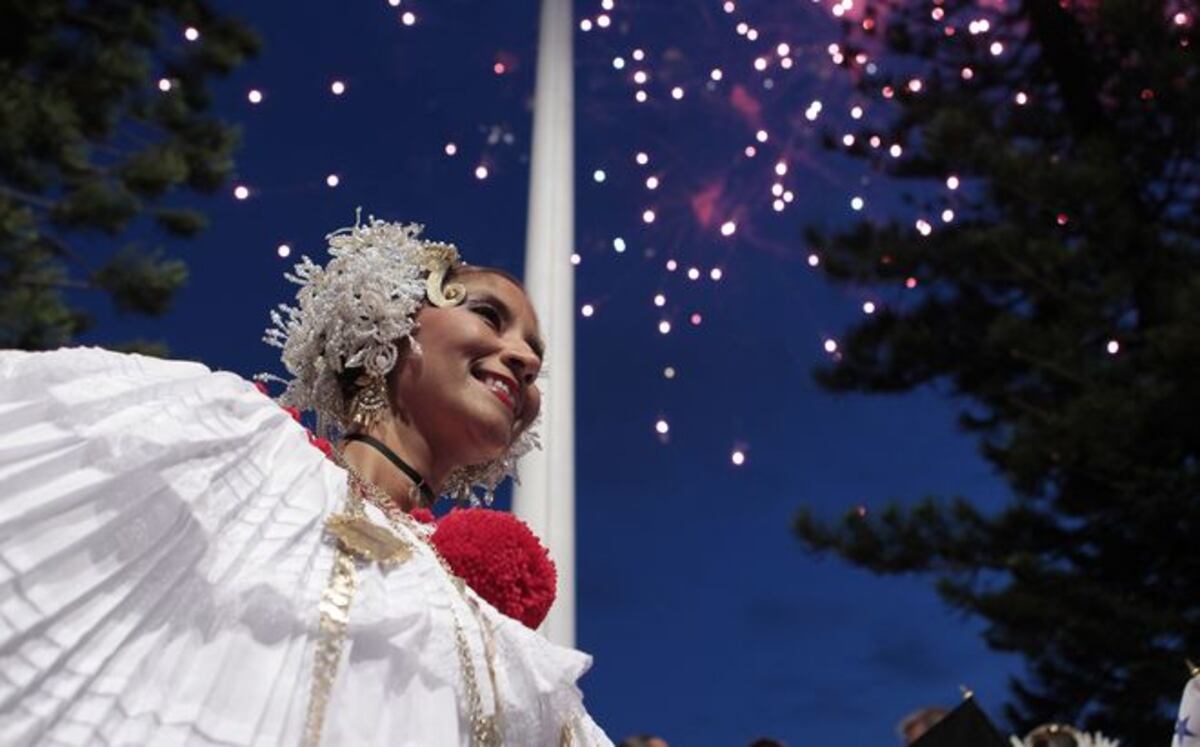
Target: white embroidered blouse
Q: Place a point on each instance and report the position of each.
(163, 554)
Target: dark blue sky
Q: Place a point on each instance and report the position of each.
(708, 621)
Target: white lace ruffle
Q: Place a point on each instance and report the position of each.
(161, 557)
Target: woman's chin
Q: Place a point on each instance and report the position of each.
(483, 434)
(492, 444)
(495, 428)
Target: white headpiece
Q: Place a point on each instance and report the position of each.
(355, 312)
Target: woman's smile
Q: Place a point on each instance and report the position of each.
(504, 389)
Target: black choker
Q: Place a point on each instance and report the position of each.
(412, 474)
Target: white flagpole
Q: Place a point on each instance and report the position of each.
(545, 498)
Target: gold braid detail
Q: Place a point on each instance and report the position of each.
(358, 539)
(335, 614)
(484, 728)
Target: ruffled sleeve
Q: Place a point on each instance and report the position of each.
(160, 549)
(162, 561)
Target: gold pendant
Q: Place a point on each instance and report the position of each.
(368, 541)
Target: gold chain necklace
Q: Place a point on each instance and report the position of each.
(359, 540)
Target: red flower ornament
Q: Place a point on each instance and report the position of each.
(325, 447)
(501, 559)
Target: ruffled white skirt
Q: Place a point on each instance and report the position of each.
(162, 556)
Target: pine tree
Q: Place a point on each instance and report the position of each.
(90, 142)
(1060, 307)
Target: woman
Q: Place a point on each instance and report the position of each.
(180, 565)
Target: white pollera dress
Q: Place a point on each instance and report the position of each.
(163, 554)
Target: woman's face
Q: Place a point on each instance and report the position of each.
(472, 389)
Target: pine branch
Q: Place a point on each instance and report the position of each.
(60, 284)
(1049, 366)
(26, 198)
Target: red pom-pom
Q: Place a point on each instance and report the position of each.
(501, 559)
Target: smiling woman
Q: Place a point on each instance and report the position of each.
(181, 565)
(468, 396)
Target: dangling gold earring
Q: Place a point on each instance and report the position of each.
(370, 403)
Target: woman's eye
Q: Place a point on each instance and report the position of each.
(489, 313)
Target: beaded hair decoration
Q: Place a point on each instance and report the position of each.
(355, 313)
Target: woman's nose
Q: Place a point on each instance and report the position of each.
(522, 362)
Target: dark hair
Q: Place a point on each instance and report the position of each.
(465, 269)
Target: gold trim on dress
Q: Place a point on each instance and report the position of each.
(368, 541)
(335, 616)
(358, 539)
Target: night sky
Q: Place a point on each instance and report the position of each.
(708, 621)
